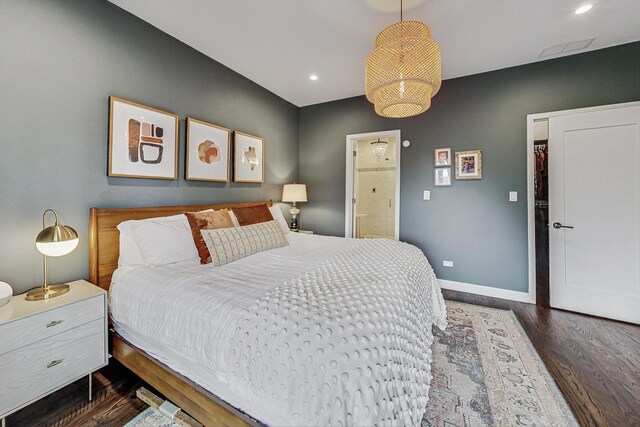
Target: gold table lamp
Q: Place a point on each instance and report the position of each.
(53, 241)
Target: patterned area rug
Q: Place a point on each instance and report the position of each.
(486, 372)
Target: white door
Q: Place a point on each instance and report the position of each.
(594, 213)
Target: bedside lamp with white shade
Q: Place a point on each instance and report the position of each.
(53, 241)
(294, 193)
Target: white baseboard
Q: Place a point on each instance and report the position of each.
(487, 291)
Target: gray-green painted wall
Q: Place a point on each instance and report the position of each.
(59, 62)
(471, 222)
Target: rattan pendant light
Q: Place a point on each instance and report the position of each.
(404, 71)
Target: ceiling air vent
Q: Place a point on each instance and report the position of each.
(565, 48)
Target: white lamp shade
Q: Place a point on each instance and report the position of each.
(57, 248)
(294, 193)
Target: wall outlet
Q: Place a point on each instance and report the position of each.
(513, 196)
(426, 195)
(446, 263)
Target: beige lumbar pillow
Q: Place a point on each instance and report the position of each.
(230, 244)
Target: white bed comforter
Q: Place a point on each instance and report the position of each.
(326, 331)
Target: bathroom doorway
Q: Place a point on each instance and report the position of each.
(373, 185)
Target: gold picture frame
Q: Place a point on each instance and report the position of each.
(207, 152)
(143, 141)
(248, 158)
(442, 157)
(469, 164)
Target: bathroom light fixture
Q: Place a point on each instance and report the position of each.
(583, 9)
(313, 77)
(404, 70)
(379, 148)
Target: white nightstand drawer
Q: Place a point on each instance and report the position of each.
(33, 371)
(28, 330)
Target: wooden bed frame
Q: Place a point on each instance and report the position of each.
(104, 236)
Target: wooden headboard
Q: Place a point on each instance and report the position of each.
(104, 237)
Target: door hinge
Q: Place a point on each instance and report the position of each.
(354, 154)
(353, 200)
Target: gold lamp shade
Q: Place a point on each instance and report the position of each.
(53, 241)
(404, 70)
(57, 240)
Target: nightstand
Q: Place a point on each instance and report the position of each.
(305, 231)
(46, 345)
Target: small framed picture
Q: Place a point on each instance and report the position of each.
(208, 151)
(442, 156)
(248, 158)
(143, 141)
(442, 177)
(469, 164)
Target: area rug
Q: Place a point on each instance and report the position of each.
(151, 418)
(486, 372)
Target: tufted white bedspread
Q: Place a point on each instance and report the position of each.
(325, 331)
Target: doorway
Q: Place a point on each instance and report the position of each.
(372, 205)
(593, 210)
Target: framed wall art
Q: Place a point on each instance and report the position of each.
(442, 177)
(208, 151)
(143, 141)
(442, 156)
(469, 164)
(248, 158)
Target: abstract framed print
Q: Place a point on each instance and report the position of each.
(143, 141)
(442, 156)
(248, 158)
(469, 164)
(442, 177)
(208, 154)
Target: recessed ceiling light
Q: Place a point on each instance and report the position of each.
(313, 77)
(583, 9)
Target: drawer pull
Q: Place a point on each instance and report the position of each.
(53, 323)
(54, 363)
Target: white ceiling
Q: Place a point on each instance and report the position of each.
(279, 43)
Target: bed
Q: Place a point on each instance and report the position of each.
(324, 331)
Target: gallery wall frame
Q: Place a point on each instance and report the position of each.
(207, 152)
(248, 158)
(143, 141)
(469, 164)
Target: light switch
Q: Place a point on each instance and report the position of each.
(426, 195)
(513, 196)
(446, 263)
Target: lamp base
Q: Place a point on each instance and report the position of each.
(47, 292)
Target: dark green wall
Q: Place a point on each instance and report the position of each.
(59, 62)
(471, 222)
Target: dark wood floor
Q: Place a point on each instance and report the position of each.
(595, 362)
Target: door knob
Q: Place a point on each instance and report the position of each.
(557, 225)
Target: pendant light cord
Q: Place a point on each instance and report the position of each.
(400, 10)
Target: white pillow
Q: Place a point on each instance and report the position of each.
(160, 241)
(234, 218)
(276, 213)
(129, 253)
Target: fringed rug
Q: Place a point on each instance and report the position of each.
(486, 372)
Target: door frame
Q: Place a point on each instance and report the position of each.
(531, 214)
(348, 200)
